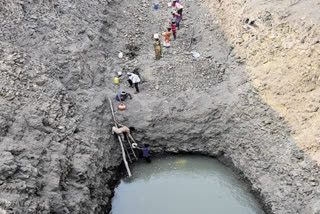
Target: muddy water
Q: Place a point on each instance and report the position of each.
(183, 185)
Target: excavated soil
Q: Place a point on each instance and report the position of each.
(57, 63)
(279, 42)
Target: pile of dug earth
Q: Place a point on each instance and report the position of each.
(57, 63)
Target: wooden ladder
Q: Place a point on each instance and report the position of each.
(130, 151)
(121, 144)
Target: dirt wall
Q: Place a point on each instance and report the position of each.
(57, 62)
(54, 112)
(278, 41)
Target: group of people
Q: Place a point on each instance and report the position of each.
(133, 80)
(174, 24)
(119, 129)
(124, 130)
(134, 77)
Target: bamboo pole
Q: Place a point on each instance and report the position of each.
(121, 144)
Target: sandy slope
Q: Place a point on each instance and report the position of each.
(279, 44)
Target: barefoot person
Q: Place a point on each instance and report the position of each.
(123, 130)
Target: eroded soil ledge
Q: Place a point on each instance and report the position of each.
(57, 62)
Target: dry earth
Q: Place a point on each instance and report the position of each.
(280, 45)
(249, 99)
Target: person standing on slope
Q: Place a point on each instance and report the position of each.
(157, 46)
(176, 16)
(167, 36)
(179, 8)
(134, 79)
(173, 27)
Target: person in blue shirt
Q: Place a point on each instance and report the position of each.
(123, 96)
(145, 152)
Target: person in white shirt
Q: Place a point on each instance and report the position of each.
(134, 80)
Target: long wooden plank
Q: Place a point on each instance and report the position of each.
(121, 144)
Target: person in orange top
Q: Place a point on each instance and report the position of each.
(167, 36)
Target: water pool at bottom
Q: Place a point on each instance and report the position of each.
(183, 185)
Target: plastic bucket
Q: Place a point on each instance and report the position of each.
(116, 80)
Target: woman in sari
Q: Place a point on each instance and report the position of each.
(157, 47)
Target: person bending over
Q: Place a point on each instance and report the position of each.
(123, 96)
(145, 152)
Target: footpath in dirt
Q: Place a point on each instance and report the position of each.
(58, 61)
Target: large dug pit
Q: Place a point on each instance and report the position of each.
(183, 184)
(58, 60)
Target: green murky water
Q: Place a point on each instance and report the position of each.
(183, 185)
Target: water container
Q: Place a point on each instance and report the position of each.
(122, 107)
(156, 6)
(116, 80)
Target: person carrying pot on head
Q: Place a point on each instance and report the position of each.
(123, 96)
(178, 6)
(167, 36)
(176, 16)
(173, 28)
(157, 46)
(134, 80)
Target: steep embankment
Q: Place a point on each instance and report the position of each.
(54, 155)
(279, 43)
(57, 65)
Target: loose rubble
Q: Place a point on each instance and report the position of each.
(58, 61)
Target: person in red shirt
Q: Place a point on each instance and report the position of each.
(173, 28)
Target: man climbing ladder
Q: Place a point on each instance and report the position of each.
(123, 130)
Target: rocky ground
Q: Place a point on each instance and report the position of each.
(57, 66)
(279, 42)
